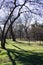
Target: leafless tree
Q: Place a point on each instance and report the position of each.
(27, 26)
(20, 7)
(3, 40)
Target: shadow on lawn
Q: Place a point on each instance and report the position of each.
(19, 42)
(25, 57)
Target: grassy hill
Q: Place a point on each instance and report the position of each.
(21, 53)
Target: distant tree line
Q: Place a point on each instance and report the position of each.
(27, 31)
(34, 33)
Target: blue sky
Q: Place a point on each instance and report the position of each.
(37, 8)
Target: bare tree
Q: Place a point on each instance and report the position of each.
(3, 40)
(20, 7)
(27, 26)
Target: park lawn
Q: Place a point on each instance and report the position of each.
(21, 53)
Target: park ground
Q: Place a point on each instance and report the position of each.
(21, 53)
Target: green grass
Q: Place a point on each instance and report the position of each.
(21, 53)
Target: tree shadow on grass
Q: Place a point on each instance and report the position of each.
(9, 51)
(19, 48)
(19, 42)
(25, 57)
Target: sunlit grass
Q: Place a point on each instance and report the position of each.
(22, 53)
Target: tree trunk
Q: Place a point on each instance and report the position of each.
(12, 33)
(27, 36)
(3, 41)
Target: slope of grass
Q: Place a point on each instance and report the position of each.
(21, 53)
